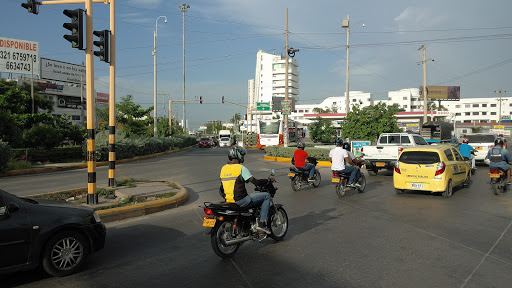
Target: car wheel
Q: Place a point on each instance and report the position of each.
(467, 183)
(65, 253)
(449, 190)
(399, 191)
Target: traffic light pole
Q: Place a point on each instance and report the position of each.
(112, 99)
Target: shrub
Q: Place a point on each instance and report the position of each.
(5, 155)
(287, 152)
(60, 154)
(43, 136)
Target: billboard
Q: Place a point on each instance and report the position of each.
(442, 92)
(19, 56)
(62, 71)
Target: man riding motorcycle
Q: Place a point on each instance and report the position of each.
(233, 176)
(339, 158)
(300, 157)
(465, 150)
(499, 158)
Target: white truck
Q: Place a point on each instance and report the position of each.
(385, 153)
(224, 138)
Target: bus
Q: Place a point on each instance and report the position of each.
(270, 132)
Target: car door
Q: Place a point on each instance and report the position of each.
(463, 166)
(14, 232)
(452, 169)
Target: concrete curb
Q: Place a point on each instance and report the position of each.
(84, 165)
(289, 160)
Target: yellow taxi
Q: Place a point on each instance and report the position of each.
(434, 168)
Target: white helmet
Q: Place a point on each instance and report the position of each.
(237, 152)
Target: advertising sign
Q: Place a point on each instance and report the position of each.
(62, 71)
(357, 147)
(442, 92)
(263, 106)
(286, 107)
(69, 102)
(500, 131)
(19, 56)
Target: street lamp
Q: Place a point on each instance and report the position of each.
(345, 24)
(154, 80)
(184, 8)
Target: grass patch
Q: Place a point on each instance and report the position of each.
(19, 164)
(128, 182)
(166, 195)
(104, 192)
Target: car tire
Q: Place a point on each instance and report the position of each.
(68, 249)
(448, 192)
(467, 182)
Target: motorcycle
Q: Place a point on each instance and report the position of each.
(232, 225)
(471, 162)
(498, 180)
(300, 177)
(341, 180)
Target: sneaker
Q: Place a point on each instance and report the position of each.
(357, 185)
(351, 185)
(311, 180)
(262, 228)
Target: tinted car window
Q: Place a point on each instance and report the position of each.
(458, 157)
(383, 140)
(420, 141)
(419, 157)
(394, 139)
(481, 138)
(449, 154)
(405, 140)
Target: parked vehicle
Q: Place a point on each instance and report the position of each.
(385, 153)
(300, 177)
(436, 168)
(55, 234)
(498, 180)
(205, 142)
(437, 132)
(482, 142)
(341, 180)
(231, 225)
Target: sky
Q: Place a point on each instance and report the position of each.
(469, 42)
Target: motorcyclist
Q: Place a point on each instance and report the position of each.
(233, 176)
(339, 158)
(300, 156)
(465, 151)
(499, 158)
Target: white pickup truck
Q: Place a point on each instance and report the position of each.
(385, 153)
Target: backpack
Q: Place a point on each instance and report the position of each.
(496, 157)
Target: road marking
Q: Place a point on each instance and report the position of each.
(485, 256)
(241, 273)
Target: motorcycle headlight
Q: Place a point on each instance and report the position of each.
(96, 217)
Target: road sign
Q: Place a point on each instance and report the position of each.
(263, 106)
(19, 56)
(286, 107)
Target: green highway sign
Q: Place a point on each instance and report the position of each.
(263, 106)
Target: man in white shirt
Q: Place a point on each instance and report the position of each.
(339, 157)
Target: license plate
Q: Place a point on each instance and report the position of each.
(416, 185)
(494, 175)
(380, 164)
(291, 174)
(335, 180)
(209, 222)
(478, 148)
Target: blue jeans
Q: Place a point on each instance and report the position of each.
(311, 168)
(257, 199)
(354, 173)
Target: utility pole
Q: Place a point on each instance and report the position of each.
(500, 99)
(285, 124)
(184, 8)
(425, 106)
(345, 24)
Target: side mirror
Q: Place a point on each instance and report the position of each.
(3, 211)
(273, 172)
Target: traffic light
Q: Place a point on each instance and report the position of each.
(222, 99)
(76, 27)
(200, 99)
(103, 44)
(31, 6)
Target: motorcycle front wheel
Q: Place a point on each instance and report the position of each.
(296, 183)
(219, 235)
(278, 224)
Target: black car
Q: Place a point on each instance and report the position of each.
(55, 234)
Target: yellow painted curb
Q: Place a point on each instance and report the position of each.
(289, 160)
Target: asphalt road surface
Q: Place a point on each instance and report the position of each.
(370, 239)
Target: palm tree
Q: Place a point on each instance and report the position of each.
(235, 120)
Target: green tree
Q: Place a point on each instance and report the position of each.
(369, 122)
(131, 117)
(42, 136)
(322, 130)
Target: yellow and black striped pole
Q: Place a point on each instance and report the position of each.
(112, 100)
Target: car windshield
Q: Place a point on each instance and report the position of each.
(224, 139)
(480, 138)
(419, 157)
(205, 139)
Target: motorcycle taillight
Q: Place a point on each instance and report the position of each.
(495, 171)
(334, 174)
(208, 211)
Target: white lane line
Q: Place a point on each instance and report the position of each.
(486, 255)
(241, 273)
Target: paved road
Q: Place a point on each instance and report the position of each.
(373, 239)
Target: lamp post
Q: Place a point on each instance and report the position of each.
(154, 80)
(345, 24)
(184, 8)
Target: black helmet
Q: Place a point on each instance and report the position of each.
(346, 146)
(338, 141)
(498, 142)
(237, 152)
(301, 145)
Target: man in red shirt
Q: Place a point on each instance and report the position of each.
(300, 157)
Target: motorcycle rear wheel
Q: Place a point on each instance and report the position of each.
(279, 224)
(341, 189)
(296, 183)
(496, 189)
(317, 178)
(218, 236)
(362, 182)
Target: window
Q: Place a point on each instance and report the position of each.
(354, 100)
(467, 105)
(405, 140)
(467, 113)
(414, 106)
(405, 106)
(75, 117)
(484, 113)
(301, 111)
(389, 98)
(484, 105)
(457, 106)
(449, 154)
(493, 113)
(413, 99)
(458, 157)
(467, 121)
(476, 105)
(405, 98)
(476, 113)
(368, 99)
(493, 105)
(457, 114)
(419, 141)
(483, 121)
(419, 157)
